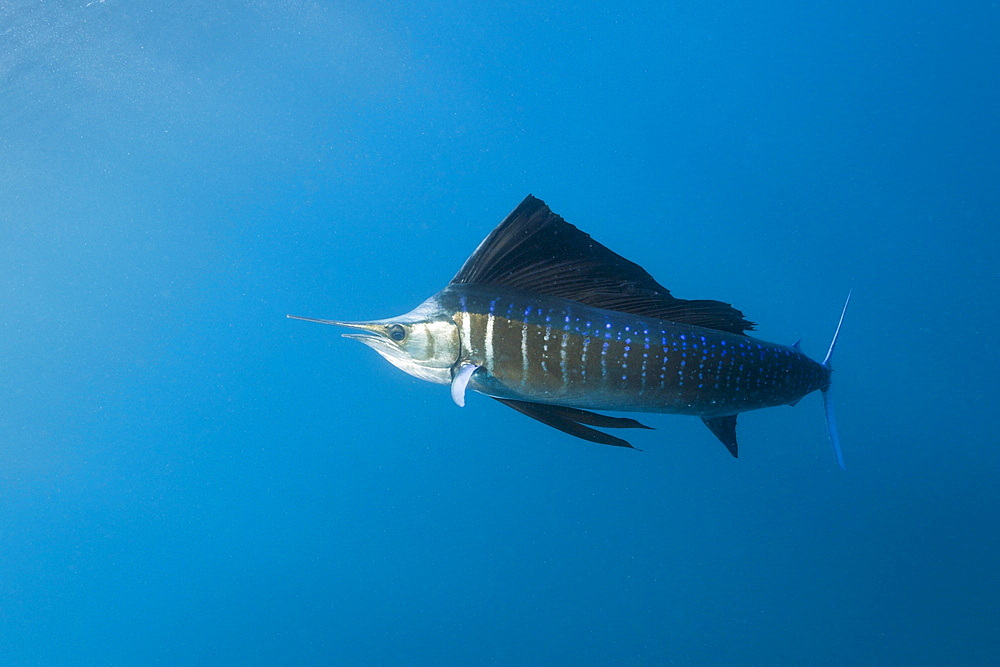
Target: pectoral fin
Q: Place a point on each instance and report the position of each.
(460, 381)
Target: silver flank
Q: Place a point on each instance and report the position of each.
(524, 355)
(466, 334)
(562, 359)
(488, 342)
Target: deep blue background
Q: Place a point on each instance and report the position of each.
(186, 476)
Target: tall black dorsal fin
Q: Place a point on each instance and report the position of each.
(535, 250)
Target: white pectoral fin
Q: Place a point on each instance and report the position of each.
(460, 381)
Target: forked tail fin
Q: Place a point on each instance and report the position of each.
(831, 422)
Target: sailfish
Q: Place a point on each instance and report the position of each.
(549, 322)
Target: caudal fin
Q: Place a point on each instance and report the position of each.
(831, 422)
(831, 426)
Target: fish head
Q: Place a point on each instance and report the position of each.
(423, 343)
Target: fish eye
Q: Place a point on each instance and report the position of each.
(396, 332)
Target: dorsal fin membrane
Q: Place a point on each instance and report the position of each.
(535, 250)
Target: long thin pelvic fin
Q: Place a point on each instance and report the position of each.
(574, 421)
(831, 421)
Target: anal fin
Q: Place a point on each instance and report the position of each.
(573, 420)
(724, 428)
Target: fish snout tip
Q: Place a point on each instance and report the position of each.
(335, 323)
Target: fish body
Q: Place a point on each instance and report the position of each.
(554, 325)
(561, 352)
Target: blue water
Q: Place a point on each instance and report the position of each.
(186, 477)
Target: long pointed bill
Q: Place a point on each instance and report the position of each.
(427, 349)
(364, 326)
(336, 323)
(371, 337)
